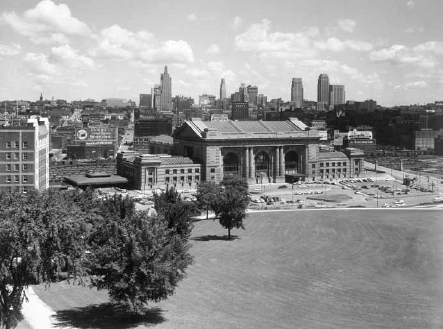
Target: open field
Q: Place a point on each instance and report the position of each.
(307, 269)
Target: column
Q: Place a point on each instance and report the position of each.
(282, 161)
(252, 162)
(247, 168)
(277, 161)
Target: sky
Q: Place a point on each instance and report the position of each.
(387, 50)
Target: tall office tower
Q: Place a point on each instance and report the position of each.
(336, 95)
(252, 94)
(323, 92)
(166, 91)
(156, 95)
(244, 97)
(297, 92)
(24, 152)
(222, 89)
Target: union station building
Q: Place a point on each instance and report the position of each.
(261, 151)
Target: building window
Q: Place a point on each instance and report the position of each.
(189, 178)
(197, 177)
(167, 171)
(212, 170)
(8, 156)
(321, 171)
(321, 164)
(16, 145)
(25, 189)
(150, 180)
(313, 166)
(182, 178)
(8, 167)
(25, 144)
(16, 167)
(167, 179)
(189, 171)
(8, 144)
(16, 156)
(8, 179)
(327, 164)
(174, 171)
(16, 178)
(197, 170)
(182, 171)
(333, 164)
(25, 167)
(25, 179)
(25, 156)
(344, 164)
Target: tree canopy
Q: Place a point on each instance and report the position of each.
(106, 244)
(207, 195)
(232, 202)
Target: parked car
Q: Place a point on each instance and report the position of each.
(283, 186)
(385, 205)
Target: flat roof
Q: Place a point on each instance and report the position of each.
(82, 180)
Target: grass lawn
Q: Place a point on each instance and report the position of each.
(309, 269)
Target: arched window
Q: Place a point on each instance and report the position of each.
(231, 164)
(262, 163)
(291, 162)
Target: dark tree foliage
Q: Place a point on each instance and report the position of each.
(137, 258)
(39, 234)
(207, 195)
(175, 212)
(232, 203)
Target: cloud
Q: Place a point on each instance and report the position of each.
(402, 55)
(71, 58)
(10, 50)
(335, 44)
(213, 49)
(410, 5)
(197, 73)
(192, 17)
(218, 69)
(347, 25)
(39, 64)
(118, 43)
(236, 23)
(435, 47)
(412, 85)
(46, 23)
(258, 38)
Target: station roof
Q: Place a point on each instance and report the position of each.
(95, 180)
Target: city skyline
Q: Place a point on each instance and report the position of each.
(388, 51)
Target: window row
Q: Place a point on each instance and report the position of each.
(16, 144)
(333, 170)
(182, 179)
(24, 189)
(333, 164)
(182, 171)
(9, 179)
(16, 156)
(16, 167)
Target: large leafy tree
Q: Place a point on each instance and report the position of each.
(135, 257)
(207, 195)
(232, 202)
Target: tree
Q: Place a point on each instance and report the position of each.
(137, 258)
(207, 194)
(175, 212)
(38, 233)
(232, 203)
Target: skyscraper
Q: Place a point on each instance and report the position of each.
(252, 94)
(323, 92)
(166, 91)
(222, 89)
(336, 95)
(244, 97)
(297, 92)
(156, 95)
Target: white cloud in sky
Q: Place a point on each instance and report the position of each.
(192, 17)
(410, 5)
(213, 49)
(9, 50)
(71, 58)
(347, 25)
(335, 44)
(412, 85)
(118, 43)
(236, 23)
(46, 23)
(402, 55)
